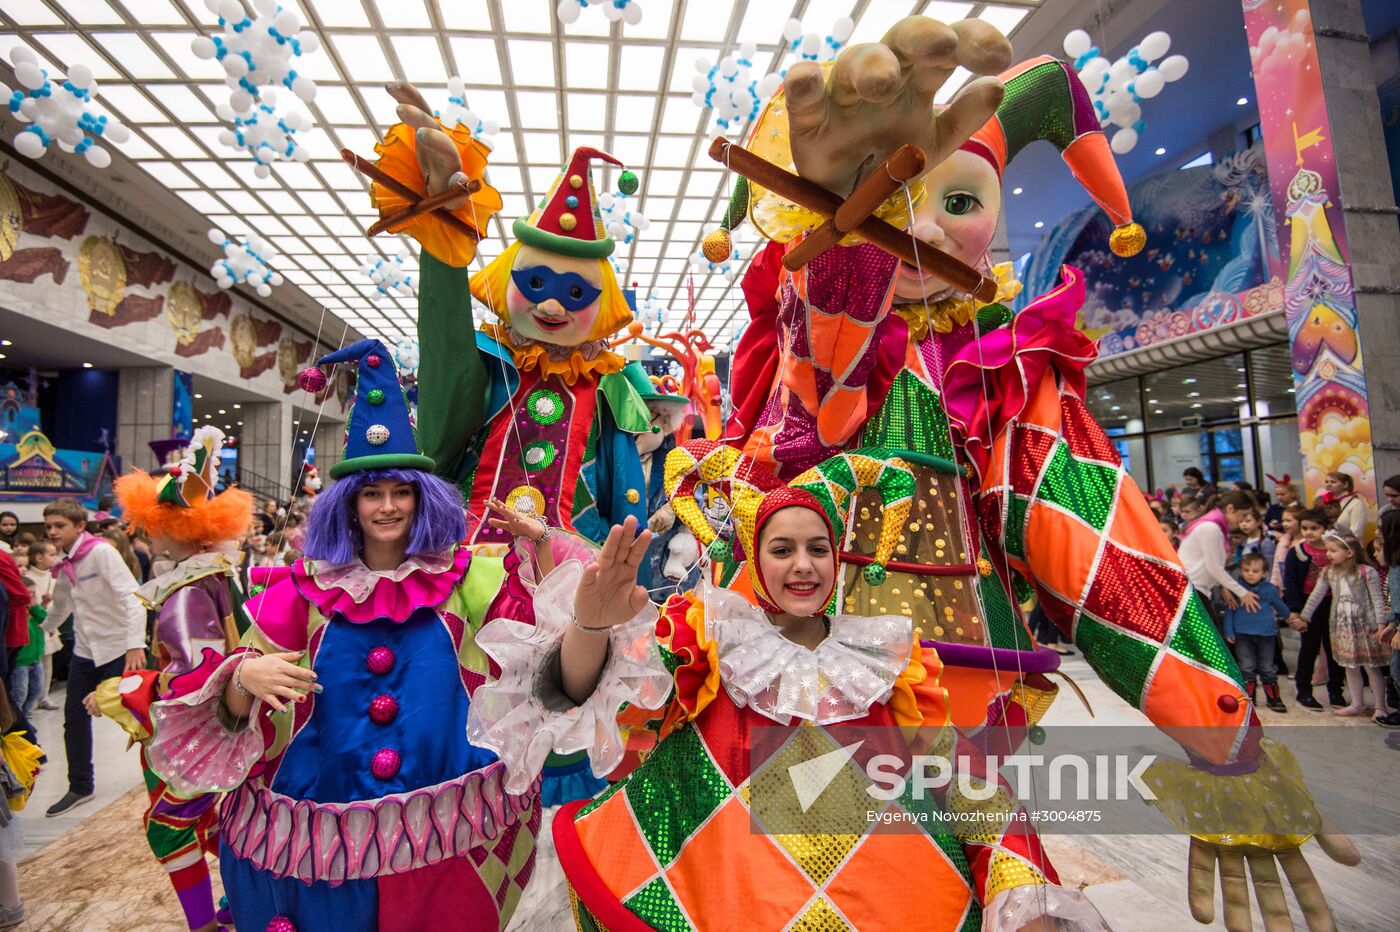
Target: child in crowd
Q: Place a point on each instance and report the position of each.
(1301, 570)
(97, 588)
(26, 682)
(1254, 635)
(1355, 619)
(1237, 549)
(1168, 525)
(42, 556)
(1256, 539)
(1288, 537)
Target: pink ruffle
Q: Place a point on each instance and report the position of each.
(192, 750)
(393, 599)
(989, 382)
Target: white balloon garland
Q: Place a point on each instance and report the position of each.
(59, 111)
(1118, 89)
(245, 263)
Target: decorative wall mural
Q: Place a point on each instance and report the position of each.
(292, 356)
(125, 282)
(43, 216)
(1212, 256)
(189, 311)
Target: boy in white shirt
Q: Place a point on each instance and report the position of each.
(109, 631)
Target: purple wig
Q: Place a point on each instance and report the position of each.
(333, 534)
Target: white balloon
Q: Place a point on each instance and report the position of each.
(231, 11)
(1149, 84)
(30, 75)
(117, 132)
(568, 11)
(841, 30)
(98, 157)
(1173, 67)
(1077, 42)
(1154, 45)
(80, 76)
(1124, 140)
(21, 55)
(216, 236)
(310, 42)
(29, 145)
(792, 29)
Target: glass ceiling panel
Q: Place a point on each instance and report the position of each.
(622, 88)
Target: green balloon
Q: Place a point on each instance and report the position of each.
(627, 182)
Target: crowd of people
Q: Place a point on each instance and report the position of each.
(1268, 564)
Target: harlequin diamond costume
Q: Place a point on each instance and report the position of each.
(532, 410)
(1019, 490)
(366, 806)
(197, 606)
(672, 846)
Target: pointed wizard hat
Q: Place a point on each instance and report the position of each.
(380, 433)
(567, 221)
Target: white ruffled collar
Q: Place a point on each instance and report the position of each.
(838, 680)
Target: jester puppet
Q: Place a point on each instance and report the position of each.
(1019, 493)
(532, 409)
(197, 606)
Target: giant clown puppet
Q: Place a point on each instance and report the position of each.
(534, 409)
(1019, 491)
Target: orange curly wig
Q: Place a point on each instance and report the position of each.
(223, 517)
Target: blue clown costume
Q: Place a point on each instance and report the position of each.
(364, 806)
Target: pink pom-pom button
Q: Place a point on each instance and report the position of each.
(383, 709)
(385, 764)
(380, 660)
(311, 379)
(372, 360)
(281, 924)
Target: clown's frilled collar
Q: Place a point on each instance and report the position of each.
(554, 288)
(754, 496)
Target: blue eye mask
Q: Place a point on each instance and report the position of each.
(539, 283)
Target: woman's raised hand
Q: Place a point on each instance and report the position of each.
(608, 593)
(513, 522)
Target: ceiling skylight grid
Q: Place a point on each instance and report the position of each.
(623, 88)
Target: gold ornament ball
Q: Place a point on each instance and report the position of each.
(567, 222)
(717, 245)
(1128, 240)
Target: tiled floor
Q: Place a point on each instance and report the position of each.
(98, 876)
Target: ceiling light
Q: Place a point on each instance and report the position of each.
(2, 355)
(1188, 381)
(1242, 101)
(7, 343)
(1240, 385)
(87, 365)
(1116, 408)
(1193, 394)
(1196, 405)
(240, 423)
(228, 427)
(1017, 190)
(1161, 150)
(222, 411)
(1240, 369)
(1159, 411)
(198, 395)
(237, 407)
(1241, 398)
(1039, 224)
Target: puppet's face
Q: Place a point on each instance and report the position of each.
(553, 298)
(959, 216)
(666, 418)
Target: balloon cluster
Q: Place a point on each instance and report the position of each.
(622, 223)
(457, 113)
(389, 275)
(59, 111)
(258, 54)
(247, 263)
(406, 356)
(629, 11)
(1118, 89)
(263, 134)
(735, 95)
(810, 46)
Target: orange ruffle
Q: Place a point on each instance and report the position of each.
(223, 517)
(398, 158)
(571, 368)
(917, 698)
(681, 629)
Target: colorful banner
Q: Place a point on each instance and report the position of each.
(1333, 417)
(32, 470)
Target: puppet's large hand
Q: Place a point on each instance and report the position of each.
(437, 155)
(880, 97)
